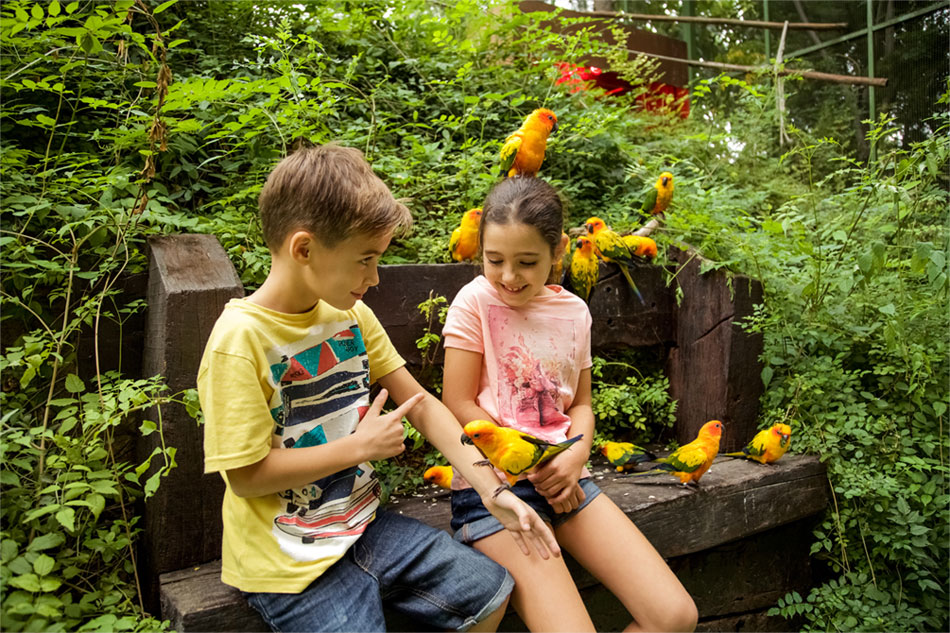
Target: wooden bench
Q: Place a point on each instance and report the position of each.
(738, 543)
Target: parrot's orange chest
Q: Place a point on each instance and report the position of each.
(531, 154)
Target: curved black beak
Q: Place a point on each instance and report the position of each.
(666, 180)
(554, 128)
(467, 440)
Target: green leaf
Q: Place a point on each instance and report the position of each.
(27, 582)
(46, 541)
(54, 8)
(888, 309)
(767, 373)
(45, 120)
(43, 565)
(74, 384)
(67, 518)
(163, 6)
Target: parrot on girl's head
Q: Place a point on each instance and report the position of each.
(767, 445)
(691, 461)
(641, 246)
(463, 244)
(512, 451)
(439, 475)
(658, 199)
(585, 269)
(523, 151)
(611, 247)
(623, 455)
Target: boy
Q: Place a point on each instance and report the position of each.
(290, 367)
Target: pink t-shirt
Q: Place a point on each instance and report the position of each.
(532, 355)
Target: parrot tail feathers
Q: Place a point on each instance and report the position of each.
(633, 286)
(741, 454)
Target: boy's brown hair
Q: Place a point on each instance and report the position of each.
(330, 191)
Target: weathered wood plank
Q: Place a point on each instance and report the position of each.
(714, 370)
(195, 599)
(190, 280)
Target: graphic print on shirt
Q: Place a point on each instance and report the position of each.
(535, 357)
(321, 393)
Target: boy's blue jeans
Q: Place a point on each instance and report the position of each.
(404, 564)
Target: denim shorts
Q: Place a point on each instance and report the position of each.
(472, 521)
(403, 564)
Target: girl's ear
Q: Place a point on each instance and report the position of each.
(562, 246)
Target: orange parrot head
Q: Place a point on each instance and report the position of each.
(439, 475)
(481, 433)
(585, 245)
(473, 216)
(783, 432)
(665, 180)
(595, 225)
(711, 430)
(542, 119)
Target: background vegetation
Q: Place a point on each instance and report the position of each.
(125, 119)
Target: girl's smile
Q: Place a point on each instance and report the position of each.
(517, 261)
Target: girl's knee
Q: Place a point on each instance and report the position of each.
(679, 615)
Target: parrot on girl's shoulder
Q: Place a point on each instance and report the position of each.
(623, 455)
(523, 151)
(767, 445)
(439, 475)
(658, 199)
(463, 243)
(585, 269)
(611, 248)
(640, 245)
(512, 451)
(691, 461)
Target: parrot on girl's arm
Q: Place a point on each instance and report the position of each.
(512, 451)
(463, 243)
(439, 475)
(767, 445)
(585, 269)
(658, 199)
(622, 455)
(691, 461)
(523, 151)
(611, 247)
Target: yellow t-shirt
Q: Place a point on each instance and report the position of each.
(273, 380)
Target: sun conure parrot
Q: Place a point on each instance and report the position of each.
(691, 461)
(611, 247)
(640, 245)
(767, 445)
(658, 199)
(585, 269)
(463, 244)
(557, 268)
(439, 475)
(509, 450)
(623, 455)
(523, 151)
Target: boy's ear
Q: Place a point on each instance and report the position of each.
(299, 246)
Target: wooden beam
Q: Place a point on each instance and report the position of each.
(758, 24)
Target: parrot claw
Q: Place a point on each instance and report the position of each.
(500, 489)
(482, 462)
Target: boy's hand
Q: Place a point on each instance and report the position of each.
(524, 524)
(557, 479)
(382, 435)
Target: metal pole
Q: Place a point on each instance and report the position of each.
(686, 31)
(768, 33)
(870, 13)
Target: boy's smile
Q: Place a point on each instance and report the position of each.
(340, 275)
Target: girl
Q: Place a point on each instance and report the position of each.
(518, 353)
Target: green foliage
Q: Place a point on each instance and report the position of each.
(125, 119)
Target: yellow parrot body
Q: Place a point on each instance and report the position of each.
(767, 445)
(463, 244)
(612, 248)
(623, 455)
(440, 476)
(640, 246)
(509, 450)
(523, 151)
(659, 198)
(691, 461)
(585, 269)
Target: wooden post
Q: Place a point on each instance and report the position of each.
(190, 280)
(714, 370)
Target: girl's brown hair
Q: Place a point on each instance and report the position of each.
(529, 201)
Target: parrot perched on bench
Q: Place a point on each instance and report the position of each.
(611, 247)
(691, 461)
(624, 455)
(440, 476)
(767, 445)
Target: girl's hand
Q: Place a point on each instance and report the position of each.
(557, 480)
(523, 523)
